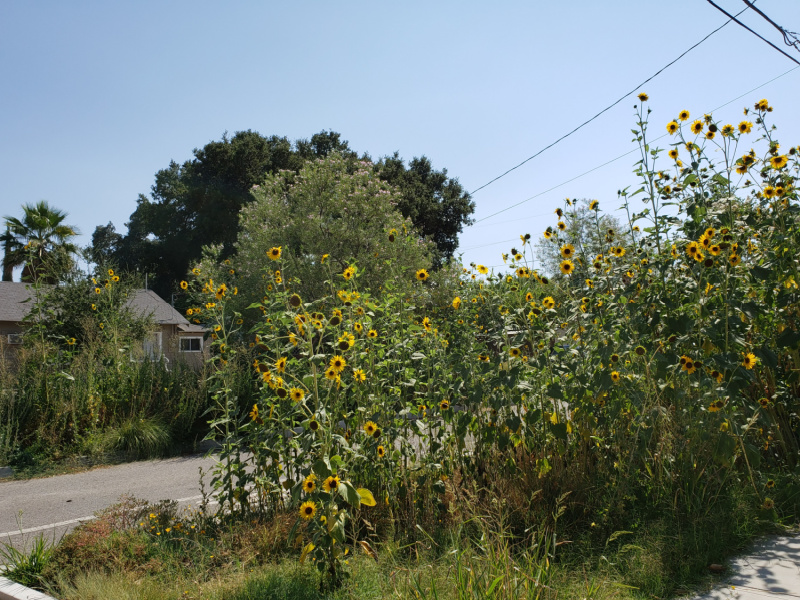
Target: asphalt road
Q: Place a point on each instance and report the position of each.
(54, 505)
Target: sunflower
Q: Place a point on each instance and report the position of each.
(483, 357)
(561, 225)
(778, 162)
(338, 363)
(619, 252)
(359, 375)
(710, 135)
(331, 483)
(567, 251)
(346, 341)
(548, 302)
(274, 253)
(280, 364)
(483, 270)
(717, 375)
(615, 358)
(358, 327)
(422, 275)
(381, 451)
(697, 127)
(716, 405)
(749, 361)
(567, 267)
(297, 394)
(97, 290)
(762, 104)
(643, 97)
(456, 303)
(370, 428)
(331, 374)
(672, 127)
(392, 234)
(444, 405)
(349, 272)
(71, 342)
(683, 115)
(94, 306)
(514, 352)
(639, 350)
(745, 127)
(770, 484)
(426, 323)
(764, 402)
(734, 259)
(523, 272)
(310, 483)
(559, 212)
(548, 233)
(615, 376)
(372, 334)
(594, 205)
(689, 366)
(673, 153)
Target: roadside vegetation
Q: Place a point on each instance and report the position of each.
(608, 430)
(80, 390)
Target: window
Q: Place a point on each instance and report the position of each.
(152, 345)
(14, 338)
(191, 344)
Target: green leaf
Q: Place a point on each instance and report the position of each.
(559, 430)
(417, 356)
(725, 450)
(367, 499)
(322, 468)
(788, 339)
(350, 494)
(761, 273)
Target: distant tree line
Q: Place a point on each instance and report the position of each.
(197, 204)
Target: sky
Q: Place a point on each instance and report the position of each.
(98, 96)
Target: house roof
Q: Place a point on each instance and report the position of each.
(14, 301)
(15, 304)
(148, 303)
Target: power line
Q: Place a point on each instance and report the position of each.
(626, 153)
(738, 22)
(638, 87)
(786, 34)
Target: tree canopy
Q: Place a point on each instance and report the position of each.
(587, 231)
(39, 242)
(333, 214)
(438, 205)
(197, 203)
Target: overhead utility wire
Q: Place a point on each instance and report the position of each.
(563, 183)
(638, 87)
(786, 34)
(738, 22)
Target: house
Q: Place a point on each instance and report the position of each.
(174, 338)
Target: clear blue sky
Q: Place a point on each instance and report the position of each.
(98, 96)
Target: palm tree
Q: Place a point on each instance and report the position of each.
(39, 242)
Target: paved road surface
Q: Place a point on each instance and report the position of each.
(770, 570)
(54, 505)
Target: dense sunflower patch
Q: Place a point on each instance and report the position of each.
(662, 363)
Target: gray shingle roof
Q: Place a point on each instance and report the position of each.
(13, 307)
(147, 302)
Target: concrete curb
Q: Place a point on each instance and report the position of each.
(10, 590)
